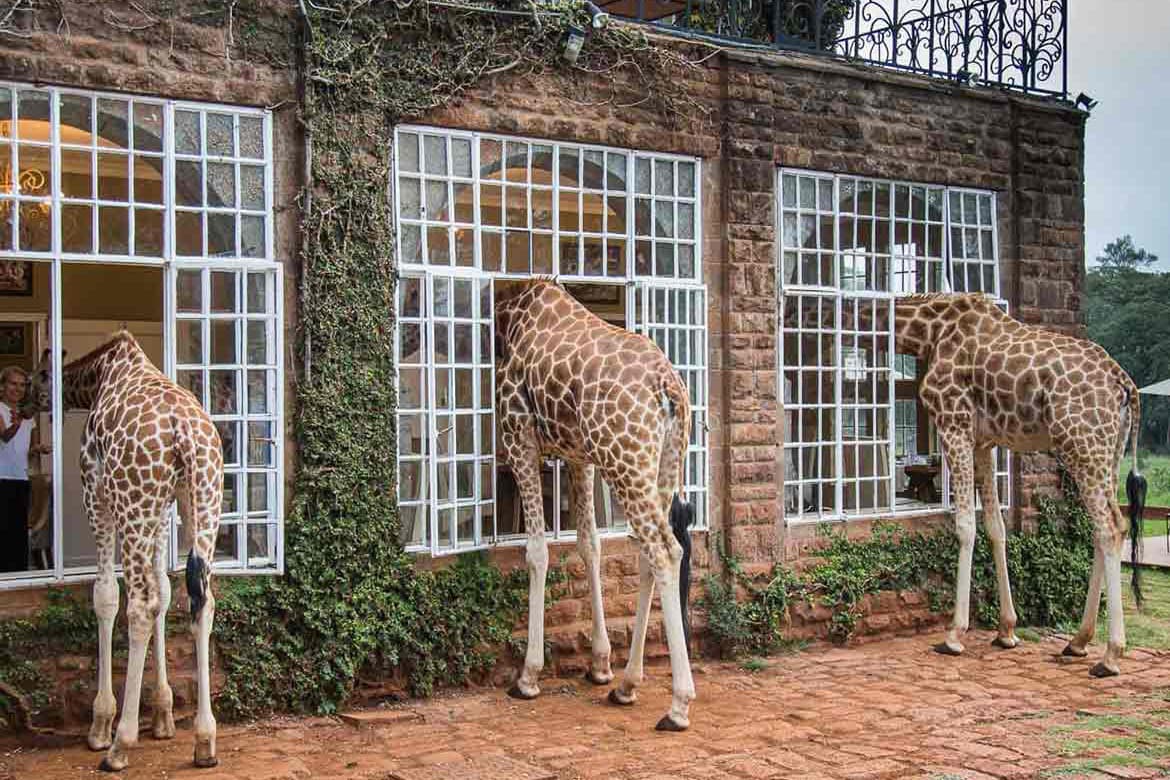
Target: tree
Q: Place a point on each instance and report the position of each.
(1122, 253)
(1126, 313)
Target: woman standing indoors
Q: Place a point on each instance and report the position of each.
(16, 432)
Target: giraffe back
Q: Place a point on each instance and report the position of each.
(1025, 387)
(596, 392)
(151, 439)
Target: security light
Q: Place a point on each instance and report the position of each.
(574, 40)
(1085, 102)
(598, 17)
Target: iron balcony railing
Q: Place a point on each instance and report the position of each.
(1015, 44)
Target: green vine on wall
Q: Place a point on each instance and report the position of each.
(1049, 571)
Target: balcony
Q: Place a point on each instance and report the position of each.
(1013, 44)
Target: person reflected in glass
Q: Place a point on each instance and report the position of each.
(17, 424)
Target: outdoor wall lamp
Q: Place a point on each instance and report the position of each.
(574, 40)
(1086, 102)
(598, 17)
(966, 78)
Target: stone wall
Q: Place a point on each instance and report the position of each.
(748, 113)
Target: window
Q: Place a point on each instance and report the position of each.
(155, 215)
(479, 212)
(857, 440)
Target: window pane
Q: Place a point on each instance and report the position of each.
(188, 132)
(148, 127)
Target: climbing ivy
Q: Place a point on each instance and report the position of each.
(1049, 569)
(65, 625)
(351, 600)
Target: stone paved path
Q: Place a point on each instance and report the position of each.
(889, 709)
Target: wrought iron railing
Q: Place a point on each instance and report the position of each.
(1017, 44)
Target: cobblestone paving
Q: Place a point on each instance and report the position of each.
(888, 709)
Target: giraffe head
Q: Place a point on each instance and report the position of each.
(40, 383)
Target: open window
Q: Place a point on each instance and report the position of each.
(155, 216)
(857, 440)
(493, 211)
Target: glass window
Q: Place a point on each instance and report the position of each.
(175, 201)
(478, 212)
(857, 440)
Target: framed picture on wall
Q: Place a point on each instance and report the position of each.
(599, 293)
(13, 339)
(16, 277)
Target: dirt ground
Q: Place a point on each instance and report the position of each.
(889, 709)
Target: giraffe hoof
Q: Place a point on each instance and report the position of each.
(1005, 642)
(1101, 670)
(620, 699)
(945, 648)
(669, 724)
(516, 692)
(1072, 651)
(206, 762)
(599, 678)
(108, 766)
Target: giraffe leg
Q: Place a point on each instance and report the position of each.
(105, 604)
(660, 561)
(163, 726)
(205, 729)
(589, 546)
(1109, 666)
(959, 447)
(1076, 646)
(993, 522)
(682, 684)
(626, 692)
(199, 507)
(141, 613)
(527, 474)
(1098, 493)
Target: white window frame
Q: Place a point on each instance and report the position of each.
(170, 264)
(837, 291)
(636, 282)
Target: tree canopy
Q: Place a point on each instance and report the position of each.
(1127, 312)
(1121, 253)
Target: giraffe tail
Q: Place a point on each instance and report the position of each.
(682, 512)
(198, 568)
(682, 517)
(197, 580)
(1135, 491)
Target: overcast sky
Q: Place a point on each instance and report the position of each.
(1119, 54)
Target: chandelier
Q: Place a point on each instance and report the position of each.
(34, 216)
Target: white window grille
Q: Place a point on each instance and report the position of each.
(848, 246)
(92, 180)
(481, 211)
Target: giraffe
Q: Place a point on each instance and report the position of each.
(602, 399)
(992, 381)
(147, 442)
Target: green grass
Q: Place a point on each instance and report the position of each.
(1156, 468)
(1095, 741)
(1149, 628)
(754, 664)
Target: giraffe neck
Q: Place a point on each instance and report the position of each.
(920, 322)
(80, 385)
(83, 379)
(915, 334)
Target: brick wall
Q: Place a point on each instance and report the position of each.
(751, 113)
